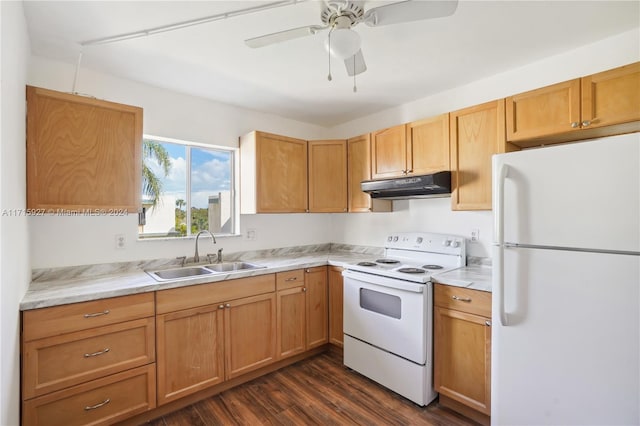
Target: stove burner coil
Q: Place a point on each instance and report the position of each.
(432, 266)
(366, 264)
(412, 270)
(387, 261)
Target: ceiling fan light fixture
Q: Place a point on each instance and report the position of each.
(344, 43)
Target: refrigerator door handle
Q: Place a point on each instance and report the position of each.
(499, 239)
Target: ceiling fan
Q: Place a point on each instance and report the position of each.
(340, 16)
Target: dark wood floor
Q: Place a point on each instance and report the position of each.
(316, 391)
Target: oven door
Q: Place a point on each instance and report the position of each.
(388, 313)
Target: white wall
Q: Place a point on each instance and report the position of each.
(434, 215)
(15, 272)
(65, 241)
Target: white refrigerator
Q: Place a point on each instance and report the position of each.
(566, 284)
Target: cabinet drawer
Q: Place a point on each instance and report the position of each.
(46, 322)
(58, 362)
(100, 402)
(463, 299)
(177, 299)
(289, 279)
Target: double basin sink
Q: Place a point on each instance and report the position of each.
(199, 271)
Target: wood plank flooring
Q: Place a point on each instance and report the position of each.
(316, 391)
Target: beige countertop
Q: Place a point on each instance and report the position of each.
(475, 277)
(99, 282)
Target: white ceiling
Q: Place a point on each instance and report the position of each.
(405, 61)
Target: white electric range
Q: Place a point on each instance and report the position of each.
(388, 311)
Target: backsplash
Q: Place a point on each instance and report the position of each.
(91, 271)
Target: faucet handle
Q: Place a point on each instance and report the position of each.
(211, 257)
(182, 259)
(220, 255)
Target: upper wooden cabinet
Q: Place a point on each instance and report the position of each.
(601, 104)
(273, 174)
(428, 145)
(328, 176)
(462, 350)
(419, 147)
(359, 169)
(389, 152)
(476, 134)
(82, 153)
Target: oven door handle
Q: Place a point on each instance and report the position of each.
(384, 281)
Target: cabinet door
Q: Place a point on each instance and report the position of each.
(611, 97)
(335, 305)
(462, 358)
(281, 174)
(328, 176)
(190, 351)
(543, 112)
(428, 142)
(389, 152)
(82, 153)
(476, 134)
(315, 281)
(359, 169)
(250, 333)
(292, 334)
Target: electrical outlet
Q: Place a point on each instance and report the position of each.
(475, 235)
(120, 241)
(251, 234)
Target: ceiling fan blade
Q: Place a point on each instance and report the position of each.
(409, 10)
(355, 64)
(283, 36)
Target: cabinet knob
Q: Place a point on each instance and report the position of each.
(487, 323)
(575, 125)
(220, 306)
(228, 305)
(586, 123)
(304, 289)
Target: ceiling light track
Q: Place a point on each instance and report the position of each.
(187, 24)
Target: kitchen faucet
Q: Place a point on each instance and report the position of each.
(196, 257)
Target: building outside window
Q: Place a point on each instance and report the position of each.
(187, 188)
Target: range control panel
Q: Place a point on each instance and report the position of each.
(427, 242)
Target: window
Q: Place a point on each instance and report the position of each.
(186, 188)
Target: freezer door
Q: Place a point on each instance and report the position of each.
(584, 195)
(570, 353)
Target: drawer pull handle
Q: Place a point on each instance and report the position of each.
(462, 299)
(104, 351)
(292, 279)
(97, 314)
(98, 405)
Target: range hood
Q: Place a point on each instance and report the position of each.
(419, 186)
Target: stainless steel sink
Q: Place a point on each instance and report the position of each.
(233, 266)
(199, 271)
(179, 273)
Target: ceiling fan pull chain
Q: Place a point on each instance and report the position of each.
(329, 54)
(355, 89)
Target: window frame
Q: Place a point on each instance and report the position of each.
(234, 175)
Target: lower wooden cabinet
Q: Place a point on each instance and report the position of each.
(89, 363)
(462, 349)
(335, 306)
(190, 351)
(250, 334)
(202, 346)
(315, 280)
(99, 402)
(302, 310)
